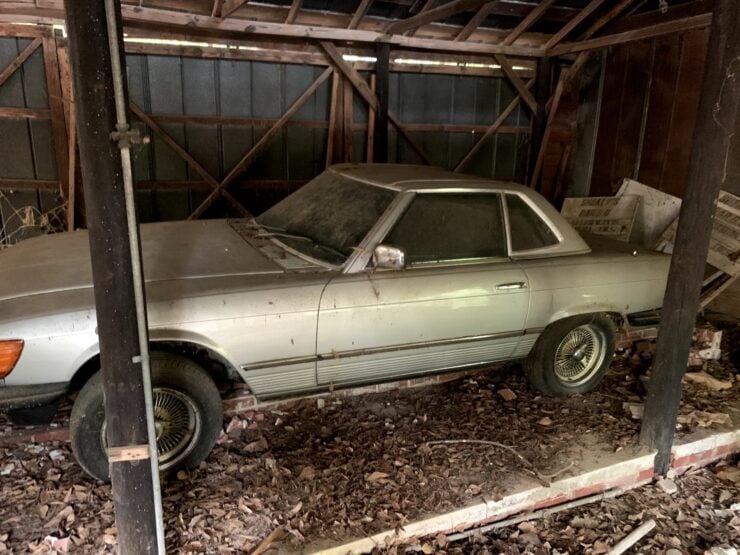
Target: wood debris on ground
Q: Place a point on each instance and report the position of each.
(353, 466)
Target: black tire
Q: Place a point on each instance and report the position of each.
(568, 374)
(184, 396)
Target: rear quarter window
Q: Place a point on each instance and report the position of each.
(528, 230)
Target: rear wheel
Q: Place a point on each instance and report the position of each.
(187, 411)
(572, 355)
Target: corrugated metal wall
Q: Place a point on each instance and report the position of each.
(222, 97)
(199, 87)
(448, 99)
(26, 145)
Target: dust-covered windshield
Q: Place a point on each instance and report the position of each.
(327, 217)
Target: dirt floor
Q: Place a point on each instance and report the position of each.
(335, 469)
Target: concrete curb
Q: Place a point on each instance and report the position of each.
(627, 474)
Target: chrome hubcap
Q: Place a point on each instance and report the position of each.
(176, 424)
(579, 354)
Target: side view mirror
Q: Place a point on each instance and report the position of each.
(391, 258)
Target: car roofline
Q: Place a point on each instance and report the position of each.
(430, 183)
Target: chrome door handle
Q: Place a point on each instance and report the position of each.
(513, 285)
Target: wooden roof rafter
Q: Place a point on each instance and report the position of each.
(475, 21)
(293, 12)
(434, 14)
(264, 22)
(359, 14)
(228, 7)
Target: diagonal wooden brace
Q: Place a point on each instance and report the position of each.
(492, 129)
(182, 153)
(18, 62)
(260, 145)
(368, 95)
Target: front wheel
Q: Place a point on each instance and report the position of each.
(188, 416)
(572, 355)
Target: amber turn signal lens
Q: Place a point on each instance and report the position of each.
(10, 352)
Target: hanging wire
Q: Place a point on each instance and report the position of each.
(28, 220)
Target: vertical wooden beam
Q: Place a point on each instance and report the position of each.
(573, 23)
(112, 271)
(293, 12)
(370, 140)
(367, 95)
(566, 76)
(56, 105)
(382, 92)
(336, 83)
(70, 116)
(542, 86)
(71, 175)
(527, 22)
(347, 138)
(716, 119)
(359, 14)
(18, 61)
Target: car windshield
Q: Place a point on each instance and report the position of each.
(327, 217)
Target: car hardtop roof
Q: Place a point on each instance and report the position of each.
(402, 177)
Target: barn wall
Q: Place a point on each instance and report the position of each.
(26, 145)
(648, 112)
(216, 109)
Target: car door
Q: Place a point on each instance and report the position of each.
(460, 301)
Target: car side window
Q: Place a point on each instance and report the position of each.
(528, 230)
(449, 227)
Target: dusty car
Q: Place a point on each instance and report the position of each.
(367, 273)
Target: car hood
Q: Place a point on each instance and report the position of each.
(171, 250)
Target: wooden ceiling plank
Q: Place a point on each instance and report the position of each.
(295, 7)
(18, 61)
(134, 17)
(267, 21)
(515, 80)
(476, 20)
(435, 14)
(573, 23)
(676, 26)
(359, 14)
(680, 11)
(528, 21)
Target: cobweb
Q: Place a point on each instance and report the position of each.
(22, 222)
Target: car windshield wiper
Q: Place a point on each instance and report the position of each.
(279, 232)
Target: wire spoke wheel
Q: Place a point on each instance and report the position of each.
(177, 425)
(580, 353)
